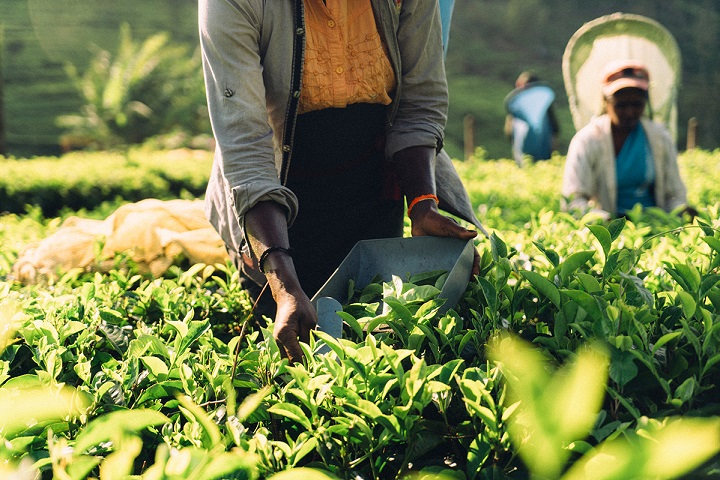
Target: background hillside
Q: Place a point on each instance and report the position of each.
(491, 42)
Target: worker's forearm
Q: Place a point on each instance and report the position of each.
(415, 167)
(266, 226)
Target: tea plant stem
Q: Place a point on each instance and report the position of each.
(211, 402)
(243, 331)
(673, 230)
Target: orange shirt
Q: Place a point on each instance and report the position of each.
(345, 59)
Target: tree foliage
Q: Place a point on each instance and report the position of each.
(146, 88)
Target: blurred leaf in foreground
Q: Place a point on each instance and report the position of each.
(555, 408)
(665, 449)
(24, 408)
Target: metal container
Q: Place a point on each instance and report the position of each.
(385, 257)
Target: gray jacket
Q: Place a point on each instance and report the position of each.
(252, 54)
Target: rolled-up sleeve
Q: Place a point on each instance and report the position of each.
(423, 95)
(245, 159)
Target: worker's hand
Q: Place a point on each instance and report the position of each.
(427, 220)
(294, 319)
(266, 226)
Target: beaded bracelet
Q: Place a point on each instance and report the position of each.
(264, 256)
(416, 200)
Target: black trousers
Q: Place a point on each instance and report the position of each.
(346, 191)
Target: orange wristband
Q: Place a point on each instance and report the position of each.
(416, 200)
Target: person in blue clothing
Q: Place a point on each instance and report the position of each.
(622, 158)
(531, 124)
(446, 10)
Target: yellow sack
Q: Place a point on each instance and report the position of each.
(152, 233)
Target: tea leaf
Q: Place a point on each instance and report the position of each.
(421, 292)
(586, 301)
(497, 247)
(293, 412)
(688, 304)
(622, 367)
(119, 464)
(576, 392)
(195, 330)
(665, 339)
(81, 466)
(680, 446)
(615, 227)
(687, 276)
(543, 286)
(252, 402)
(489, 293)
(166, 389)
(573, 262)
(708, 282)
(157, 367)
(636, 285)
(710, 363)
(303, 473)
(228, 465)
(212, 435)
(611, 264)
(603, 237)
(685, 390)
(551, 255)
(35, 404)
(427, 277)
(143, 343)
(103, 428)
(713, 242)
(589, 282)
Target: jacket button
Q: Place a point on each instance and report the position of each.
(299, 31)
(286, 148)
(296, 94)
(228, 93)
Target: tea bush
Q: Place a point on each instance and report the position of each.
(174, 378)
(86, 180)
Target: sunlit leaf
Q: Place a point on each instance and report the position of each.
(212, 435)
(31, 405)
(670, 451)
(665, 339)
(103, 428)
(303, 473)
(574, 261)
(688, 303)
(119, 464)
(603, 237)
(252, 402)
(576, 392)
(293, 412)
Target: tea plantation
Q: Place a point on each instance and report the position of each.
(584, 349)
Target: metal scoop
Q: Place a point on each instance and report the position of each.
(382, 258)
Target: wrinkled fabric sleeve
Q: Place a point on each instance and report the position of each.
(675, 191)
(423, 96)
(229, 40)
(577, 183)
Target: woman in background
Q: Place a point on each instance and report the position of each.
(621, 158)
